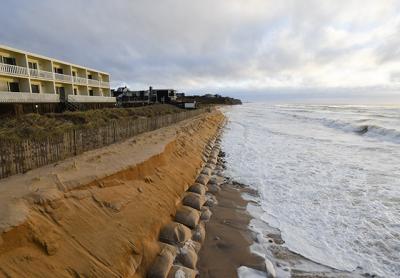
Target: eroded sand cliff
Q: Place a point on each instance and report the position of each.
(99, 214)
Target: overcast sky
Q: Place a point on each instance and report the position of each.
(250, 48)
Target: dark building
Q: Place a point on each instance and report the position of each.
(162, 95)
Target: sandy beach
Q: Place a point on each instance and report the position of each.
(228, 239)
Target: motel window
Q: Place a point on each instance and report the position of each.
(9, 61)
(60, 90)
(58, 70)
(90, 76)
(32, 65)
(90, 92)
(13, 86)
(35, 89)
(75, 91)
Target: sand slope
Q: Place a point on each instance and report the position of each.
(99, 214)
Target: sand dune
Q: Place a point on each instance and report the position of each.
(99, 214)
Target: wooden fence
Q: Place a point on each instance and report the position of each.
(19, 157)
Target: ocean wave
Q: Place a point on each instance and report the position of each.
(363, 128)
(367, 127)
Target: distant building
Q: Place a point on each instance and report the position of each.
(180, 95)
(128, 98)
(33, 80)
(162, 95)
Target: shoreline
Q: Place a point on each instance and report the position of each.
(233, 248)
(228, 239)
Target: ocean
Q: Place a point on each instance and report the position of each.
(328, 178)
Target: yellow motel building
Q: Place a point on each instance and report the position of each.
(37, 82)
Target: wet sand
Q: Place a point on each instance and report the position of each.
(228, 238)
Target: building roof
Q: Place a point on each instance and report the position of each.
(49, 58)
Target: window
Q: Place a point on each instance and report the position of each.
(9, 60)
(32, 65)
(75, 91)
(90, 76)
(58, 70)
(60, 90)
(73, 73)
(13, 87)
(90, 92)
(35, 89)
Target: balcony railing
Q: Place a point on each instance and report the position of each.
(41, 74)
(91, 99)
(13, 70)
(104, 84)
(63, 77)
(21, 97)
(93, 82)
(79, 80)
(48, 75)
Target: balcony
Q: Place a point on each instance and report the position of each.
(79, 80)
(93, 82)
(41, 74)
(48, 75)
(90, 99)
(19, 97)
(13, 70)
(63, 77)
(105, 84)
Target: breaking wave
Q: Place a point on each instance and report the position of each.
(364, 129)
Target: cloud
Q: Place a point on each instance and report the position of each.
(216, 44)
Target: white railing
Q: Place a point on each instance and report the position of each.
(104, 84)
(19, 97)
(93, 82)
(14, 70)
(63, 77)
(91, 99)
(79, 80)
(41, 74)
(35, 73)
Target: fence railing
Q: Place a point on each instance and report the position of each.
(41, 74)
(19, 157)
(63, 77)
(14, 70)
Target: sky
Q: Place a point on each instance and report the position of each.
(287, 50)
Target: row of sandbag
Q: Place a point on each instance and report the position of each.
(180, 240)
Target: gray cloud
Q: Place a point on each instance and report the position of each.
(211, 44)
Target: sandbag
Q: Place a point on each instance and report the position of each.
(206, 171)
(214, 153)
(187, 216)
(197, 188)
(216, 180)
(174, 233)
(210, 165)
(203, 179)
(213, 188)
(210, 200)
(193, 200)
(161, 265)
(178, 271)
(212, 160)
(205, 214)
(187, 257)
(196, 246)
(199, 233)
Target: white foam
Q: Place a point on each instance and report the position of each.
(334, 195)
(247, 272)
